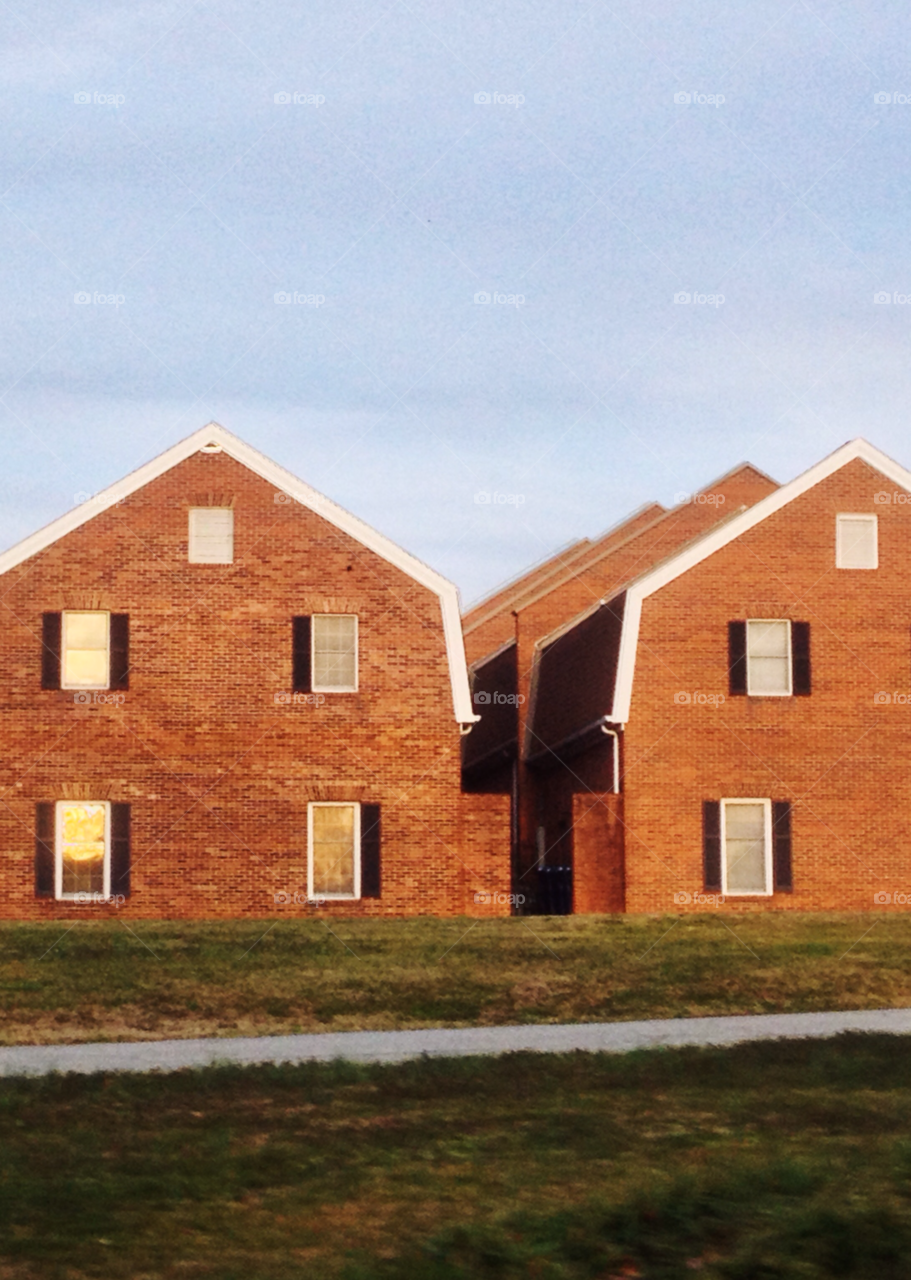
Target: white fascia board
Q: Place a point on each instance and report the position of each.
(715, 539)
(284, 482)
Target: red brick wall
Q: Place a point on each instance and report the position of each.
(217, 773)
(597, 853)
(843, 761)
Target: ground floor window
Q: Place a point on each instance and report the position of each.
(746, 846)
(83, 848)
(334, 855)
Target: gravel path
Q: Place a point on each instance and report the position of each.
(397, 1046)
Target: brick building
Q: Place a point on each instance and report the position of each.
(710, 704)
(224, 695)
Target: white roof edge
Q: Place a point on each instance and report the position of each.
(285, 482)
(719, 537)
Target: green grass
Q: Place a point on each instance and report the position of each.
(110, 980)
(770, 1160)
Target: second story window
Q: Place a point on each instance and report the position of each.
(769, 658)
(334, 652)
(85, 650)
(211, 535)
(856, 542)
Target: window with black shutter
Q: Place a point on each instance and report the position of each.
(44, 848)
(370, 850)
(51, 624)
(300, 654)
(800, 657)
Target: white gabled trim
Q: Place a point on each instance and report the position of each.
(222, 440)
(719, 537)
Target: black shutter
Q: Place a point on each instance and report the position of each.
(737, 658)
(44, 848)
(50, 650)
(781, 844)
(120, 651)
(800, 658)
(711, 844)
(120, 849)
(300, 654)
(370, 850)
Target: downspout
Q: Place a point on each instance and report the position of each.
(613, 733)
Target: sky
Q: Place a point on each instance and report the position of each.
(490, 276)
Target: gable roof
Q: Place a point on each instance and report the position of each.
(214, 438)
(719, 537)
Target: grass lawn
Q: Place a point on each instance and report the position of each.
(113, 980)
(769, 1160)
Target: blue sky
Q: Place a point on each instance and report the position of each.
(146, 159)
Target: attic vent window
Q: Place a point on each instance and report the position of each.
(211, 447)
(211, 535)
(856, 542)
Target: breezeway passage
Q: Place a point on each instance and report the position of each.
(398, 1046)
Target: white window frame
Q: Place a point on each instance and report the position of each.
(59, 807)
(192, 535)
(752, 893)
(334, 688)
(764, 693)
(856, 515)
(334, 804)
(63, 648)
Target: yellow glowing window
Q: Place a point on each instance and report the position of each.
(82, 844)
(86, 651)
(334, 836)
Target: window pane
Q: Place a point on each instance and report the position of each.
(744, 848)
(332, 849)
(856, 543)
(85, 650)
(768, 663)
(334, 651)
(82, 848)
(211, 535)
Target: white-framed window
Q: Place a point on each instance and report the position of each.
(334, 653)
(82, 849)
(769, 657)
(211, 535)
(333, 849)
(746, 847)
(856, 542)
(85, 645)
